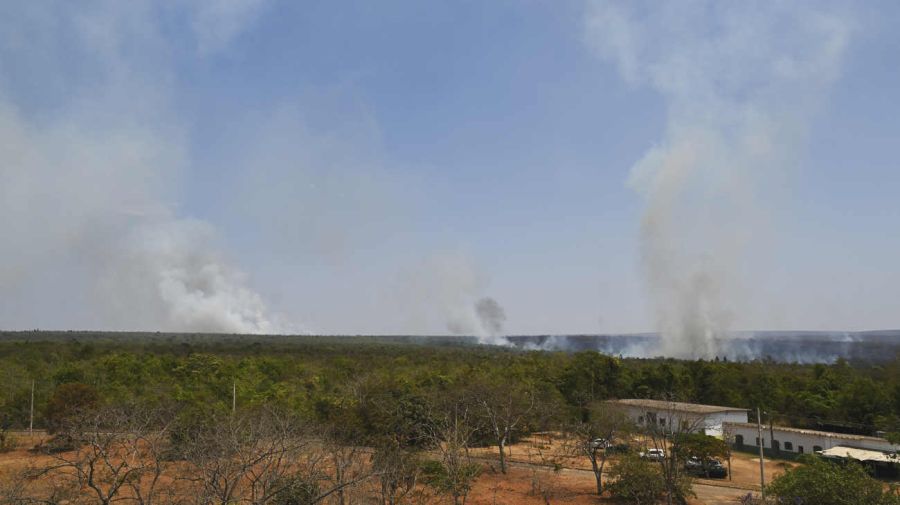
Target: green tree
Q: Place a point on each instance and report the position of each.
(820, 482)
(590, 376)
(636, 481)
(503, 408)
(605, 427)
(67, 401)
(698, 445)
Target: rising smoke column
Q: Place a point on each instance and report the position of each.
(169, 274)
(491, 316)
(92, 154)
(740, 81)
(482, 318)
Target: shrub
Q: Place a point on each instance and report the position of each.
(7, 441)
(454, 483)
(67, 401)
(636, 481)
(296, 490)
(821, 482)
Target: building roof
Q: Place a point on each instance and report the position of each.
(814, 433)
(692, 408)
(840, 451)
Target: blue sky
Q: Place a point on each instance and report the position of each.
(377, 167)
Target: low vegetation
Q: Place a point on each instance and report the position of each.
(822, 482)
(303, 420)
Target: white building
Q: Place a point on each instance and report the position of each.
(681, 416)
(801, 441)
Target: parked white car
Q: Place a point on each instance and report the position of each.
(654, 454)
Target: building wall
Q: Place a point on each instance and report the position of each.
(711, 424)
(715, 421)
(808, 442)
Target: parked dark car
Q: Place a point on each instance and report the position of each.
(711, 468)
(618, 449)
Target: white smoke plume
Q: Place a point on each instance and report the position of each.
(173, 272)
(741, 81)
(91, 160)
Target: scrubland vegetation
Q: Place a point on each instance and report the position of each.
(301, 420)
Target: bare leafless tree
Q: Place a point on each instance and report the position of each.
(451, 433)
(23, 487)
(398, 470)
(350, 465)
(594, 438)
(503, 407)
(267, 456)
(660, 431)
(249, 457)
(255, 457)
(118, 455)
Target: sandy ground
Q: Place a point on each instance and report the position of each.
(549, 449)
(528, 485)
(578, 482)
(531, 478)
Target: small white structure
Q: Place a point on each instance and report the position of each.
(864, 455)
(681, 416)
(801, 441)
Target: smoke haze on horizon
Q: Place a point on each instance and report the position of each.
(263, 166)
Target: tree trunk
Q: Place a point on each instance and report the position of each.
(598, 472)
(502, 445)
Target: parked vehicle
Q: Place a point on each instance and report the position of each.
(653, 454)
(599, 443)
(711, 468)
(618, 449)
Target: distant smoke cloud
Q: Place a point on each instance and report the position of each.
(491, 315)
(740, 82)
(216, 22)
(483, 319)
(86, 186)
(170, 271)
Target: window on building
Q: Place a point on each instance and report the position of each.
(800, 449)
(739, 440)
(763, 442)
(817, 448)
(662, 421)
(788, 446)
(640, 419)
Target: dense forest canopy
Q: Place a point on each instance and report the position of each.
(328, 377)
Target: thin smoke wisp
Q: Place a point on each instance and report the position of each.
(447, 289)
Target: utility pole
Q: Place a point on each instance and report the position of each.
(762, 465)
(772, 435)
(729, 440)
(234, 397)
(31, 413)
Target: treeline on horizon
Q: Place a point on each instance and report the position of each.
(324, 378)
